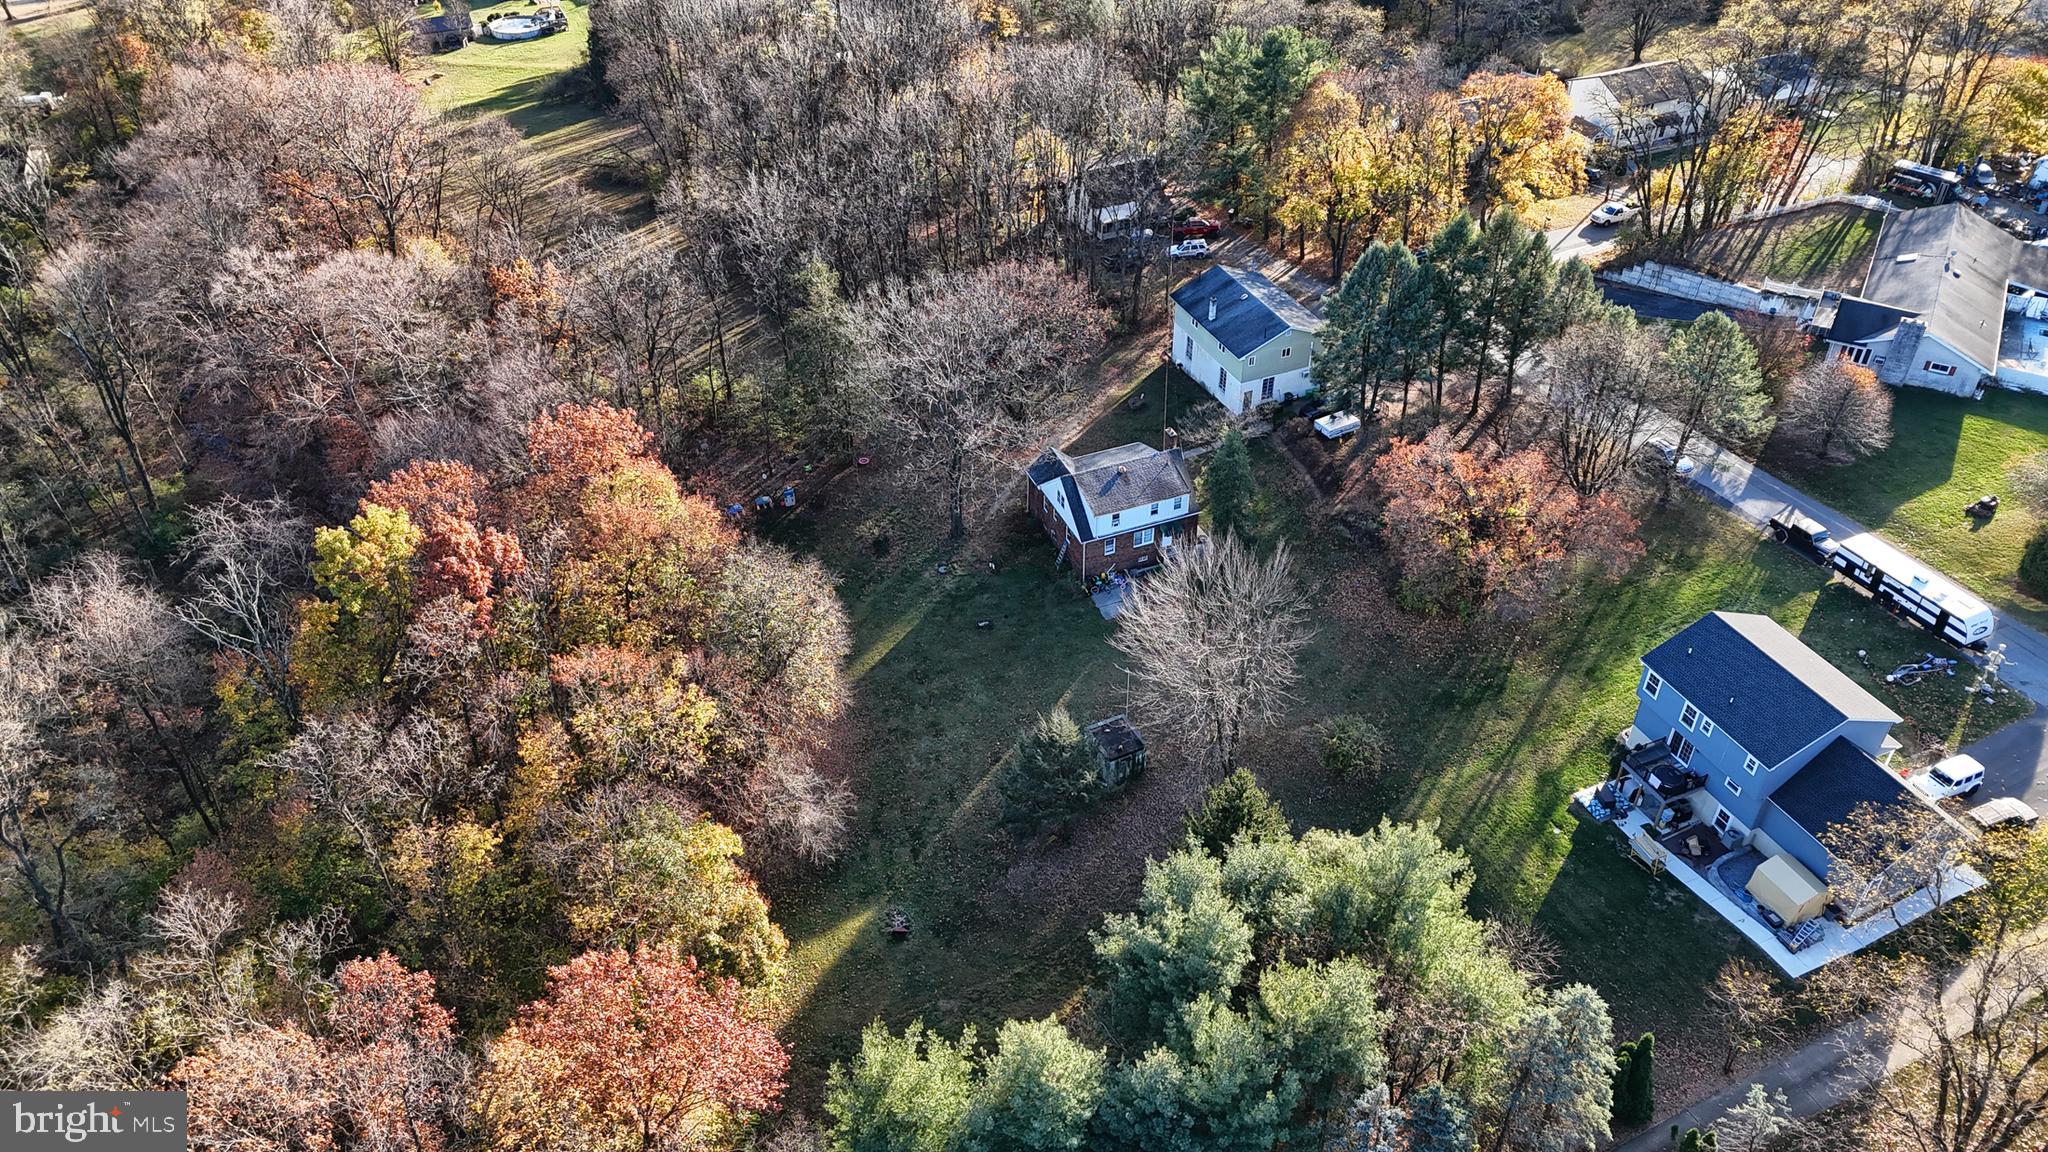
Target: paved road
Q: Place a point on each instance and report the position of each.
(2014, 756)
(1583, 240)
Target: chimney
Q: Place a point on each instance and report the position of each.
(1212, 309)
(1172, 440)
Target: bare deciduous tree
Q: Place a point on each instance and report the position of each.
(965, 367)
(1750, 1010)
(1604, 378)
(1836, 410)
(247, 558)
(1212, 639)
(1885, 852)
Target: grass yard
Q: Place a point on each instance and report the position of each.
(1494, 726)
(1825, 247)
(1945, 452)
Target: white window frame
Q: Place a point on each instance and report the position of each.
(1938, 368)
(1734, 789)
(1706, 725)
(1652, 683)
(1687, 716)
(1722, 820)
(1176, 502)
(1286, 352)
(1683, 751)
(1266, 388)
(1190, 350)
(1141, 537)
(1155, 509)
(1252, 359)
(1109, 546)
(1115, 518)
(1857, 354)
(1750, 764)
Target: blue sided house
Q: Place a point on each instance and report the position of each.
(1746, 748)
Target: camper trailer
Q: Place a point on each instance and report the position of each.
(1913, 590)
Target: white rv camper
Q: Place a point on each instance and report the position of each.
(1915, 590)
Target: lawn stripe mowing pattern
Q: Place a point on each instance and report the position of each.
(1491, 739)
(1946, 451)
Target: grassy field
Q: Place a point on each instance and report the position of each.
(1494, 726)
(1947, 451)
(1824, 247)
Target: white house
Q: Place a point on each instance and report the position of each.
(1109, 201)
(1951, 302)
(1643, 107)
(1243, 338)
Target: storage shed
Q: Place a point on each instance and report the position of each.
(1783, 885)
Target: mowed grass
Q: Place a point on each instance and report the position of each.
(1824, 247)
(1493, 726)
(1947, 451)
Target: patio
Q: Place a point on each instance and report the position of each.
(1835, 940)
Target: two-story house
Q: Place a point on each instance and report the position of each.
(1747, 730)
(1243, 338)
(1118, 509)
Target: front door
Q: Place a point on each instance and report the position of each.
(1681, 748)
(1244, 401)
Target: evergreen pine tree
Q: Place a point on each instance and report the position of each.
(1237, 806)
(1635, 1100)
(1052, 776)
(1227, 486)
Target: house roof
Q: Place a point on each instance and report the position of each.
(1121, 181)
(1643, 85)
(1114, 480)
(1949, 266)
(445, 22)
(1250, 309)
(1834, 784)
(1857, 320)
(1768, 691)
(1782, 70)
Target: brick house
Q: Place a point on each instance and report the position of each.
(1119, 509)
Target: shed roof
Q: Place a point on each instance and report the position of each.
(1834, 784)
(1768, 691)
(1115, 738)
(1250, 309)
(1785, 886)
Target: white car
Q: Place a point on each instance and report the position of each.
(1667, 452)
(1614, 212)
(1955, 776)
(1189, 249)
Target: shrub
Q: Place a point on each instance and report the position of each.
(2028, 477)
(2034, 565)
(1353, 748)
(1237, 806)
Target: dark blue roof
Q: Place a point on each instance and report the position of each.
(1857, 320)
(1834, 784)
(1250, 309)
(1768, 691)
(445, 22)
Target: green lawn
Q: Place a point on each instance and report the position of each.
(1494, 727)
(1946, 452)
(1165, 397)
(1824, 247)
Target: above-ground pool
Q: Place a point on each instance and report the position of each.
(515, 27)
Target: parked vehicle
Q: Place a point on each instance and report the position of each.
(1665, 452)
(1803, 534)
(1614, 212)
(1189, 250)
(2003, 811)
(1196, 228)
(1911, 589)
(1956, 776)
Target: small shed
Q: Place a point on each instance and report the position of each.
(1119, 750)
(1783, 885)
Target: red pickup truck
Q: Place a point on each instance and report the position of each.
(1196, 228)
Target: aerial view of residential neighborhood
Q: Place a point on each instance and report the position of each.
(1024, 575)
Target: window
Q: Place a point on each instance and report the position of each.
(1734, 789)
(1856, 355)
(1189, 351)
(1750, 764)
(1652, 684)
(1939, 369)
(1689, 717)
(1141, 537)
(1116, 518)
(1176, 502)
(1681, 748)
(1109, 546)
(1252, 359)
(1721, 819)
(1286, 352)
(1266, 388)
(1155, 509)
(1706, 726)
(1061, 497)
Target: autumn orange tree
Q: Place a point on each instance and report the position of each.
(630, 1051)
(1499, 534)
(1523, 145)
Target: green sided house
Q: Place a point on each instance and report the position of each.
(1243, 338)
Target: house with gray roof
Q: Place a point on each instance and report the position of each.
(1243, 338)
(1952, 302)
(1120, 509)
(1749, 732)
(1644, 107)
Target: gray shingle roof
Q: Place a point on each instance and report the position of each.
(1250, 309)
(1834, 784)
(1644, 85)
(1768, 691)
(1114, 480)
(1949, 266)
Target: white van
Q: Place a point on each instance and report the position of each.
(1955, 776)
